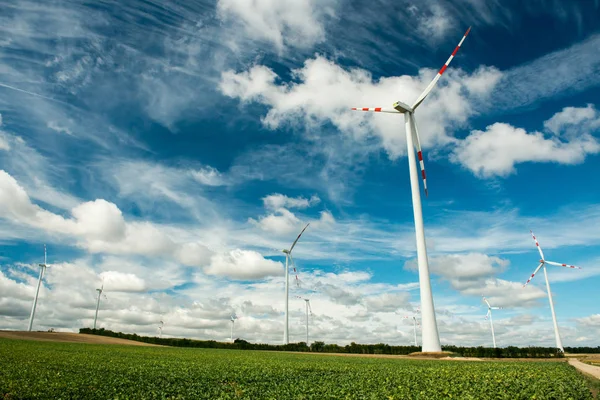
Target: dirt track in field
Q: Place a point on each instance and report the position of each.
(69, 338)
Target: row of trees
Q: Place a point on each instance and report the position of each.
(354, 348)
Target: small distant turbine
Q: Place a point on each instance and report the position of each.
(233, 318)
(160, 329)
(308, 309)
(543, 263)
(37, 292)
(415, 324)
(98, 302)
(289, 260)
(489, 315)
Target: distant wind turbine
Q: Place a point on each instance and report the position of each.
(160, 329)
(37, 292)
(415, 324)
(543, 263)
(233, 318)
(430, 334)
(489, 315)
(98, 302)
(308, 309)
(289, 260)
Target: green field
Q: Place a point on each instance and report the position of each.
(47, 370)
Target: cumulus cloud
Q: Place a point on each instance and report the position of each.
(496, 151)
(324, 92)
(298, 23)
(281, 220)
(97, 226)
(277, 200)
(208, 176)
(473, 274)
(115, 281)
(243, 264)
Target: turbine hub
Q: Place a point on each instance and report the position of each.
(286, 251)
(542, 261)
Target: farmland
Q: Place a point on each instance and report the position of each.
(40, 370)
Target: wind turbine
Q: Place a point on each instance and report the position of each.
(98, 303)
(160, 329)
(233, 318)
(308, 309)
(289, 260)
(37, 292)
(489, 315)
(431, 339)
(415, 324)
(543, 263)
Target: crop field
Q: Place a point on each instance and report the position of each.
(48, 370)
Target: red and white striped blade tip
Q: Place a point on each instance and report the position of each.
(562, 265)
(376, 109)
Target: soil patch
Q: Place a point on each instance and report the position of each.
(69, 337)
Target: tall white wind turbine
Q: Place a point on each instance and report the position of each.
(308, 309)
(543, 263)
(233, 318)
(98, 302)
(431, 339)
(160, 328)
(37, 292)
(489, 315)
(289, 260)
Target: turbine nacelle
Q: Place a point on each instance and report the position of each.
(400, 106)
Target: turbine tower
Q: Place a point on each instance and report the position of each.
(543, 263)
(37, 292)
(489, 315)
(98, 302)
(308, 309)
(289, 260)
(430, 335)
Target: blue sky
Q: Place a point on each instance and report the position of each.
(171, 149)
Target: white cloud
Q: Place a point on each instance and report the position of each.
(243, 264)
(435, 24)
(4, 145)
(473, 274)
(58, 128)
(325, 92)
(298, 23)
(208, 176)
(277, 200)
(581, 118)
(279, 222)
(115, 281)
(501, 146)
(98, 226)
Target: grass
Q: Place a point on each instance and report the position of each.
(47, 370)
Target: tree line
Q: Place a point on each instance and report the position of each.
(353, 348)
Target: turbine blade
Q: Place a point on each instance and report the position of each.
(496, 308)
(532, 275)
(298, 238)
(309, 307)
(562, 265)
(440, 72)
(488, 314)
(537, 244)
(419, 153)
(294, 269)
(377, 109)
(486, 302)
